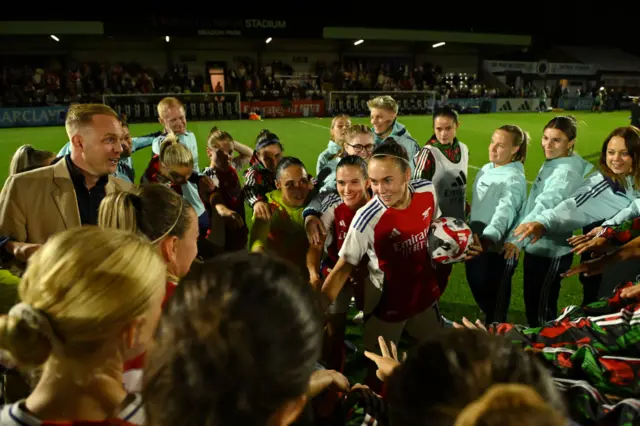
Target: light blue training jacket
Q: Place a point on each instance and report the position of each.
(499, 194)
(124, 169)
(557, 180)
(189, 190)
(328, 162)
(327, 155)
(630, 212)
(598, 198)
(401, 135)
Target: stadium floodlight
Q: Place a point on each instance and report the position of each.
(269, 40)
(442, 43)
(167, 39)
(358, 42)
(54, 37)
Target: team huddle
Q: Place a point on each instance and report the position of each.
(359, 228)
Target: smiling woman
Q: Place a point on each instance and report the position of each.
(284, 235)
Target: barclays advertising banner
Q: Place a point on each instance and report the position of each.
(575, 103)
(33, 116)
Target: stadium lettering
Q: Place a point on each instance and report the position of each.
(413, 244)
(30, 116)
(264, 23)
(219, 32)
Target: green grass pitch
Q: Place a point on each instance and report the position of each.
(307, 137)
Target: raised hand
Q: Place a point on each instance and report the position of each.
(534, 229)
(388, 361)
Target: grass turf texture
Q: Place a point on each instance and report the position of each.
(306, 138)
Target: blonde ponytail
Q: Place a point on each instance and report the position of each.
(519, 138)
(173, 153)
(28, 158)
(118, 211)
(81, 289)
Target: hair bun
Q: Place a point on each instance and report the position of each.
(26, 345)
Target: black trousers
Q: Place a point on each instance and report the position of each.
(542, 286)
(489, 276)
(590, 285)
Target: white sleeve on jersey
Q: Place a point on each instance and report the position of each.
(328, 215)
(359, 239)
(423, 185)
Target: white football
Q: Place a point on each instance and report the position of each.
(449, 240)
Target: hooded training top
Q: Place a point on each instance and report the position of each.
(499, 194)
(557, 180)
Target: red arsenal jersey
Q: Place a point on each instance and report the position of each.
(228, 183)
(152, 175)
(396, 243)
(336, 217)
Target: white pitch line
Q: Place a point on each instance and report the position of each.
(314, 124)
(471, 166)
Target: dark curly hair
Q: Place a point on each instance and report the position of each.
(239, 339)
(454, 368)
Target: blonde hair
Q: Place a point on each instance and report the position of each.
(28, 158)
(335, 121)
(80, 115)
(167, 103)
(383, 102)
(216, 135)
(510, 404)
(174, 154)
(520, 138)
(87, 284)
